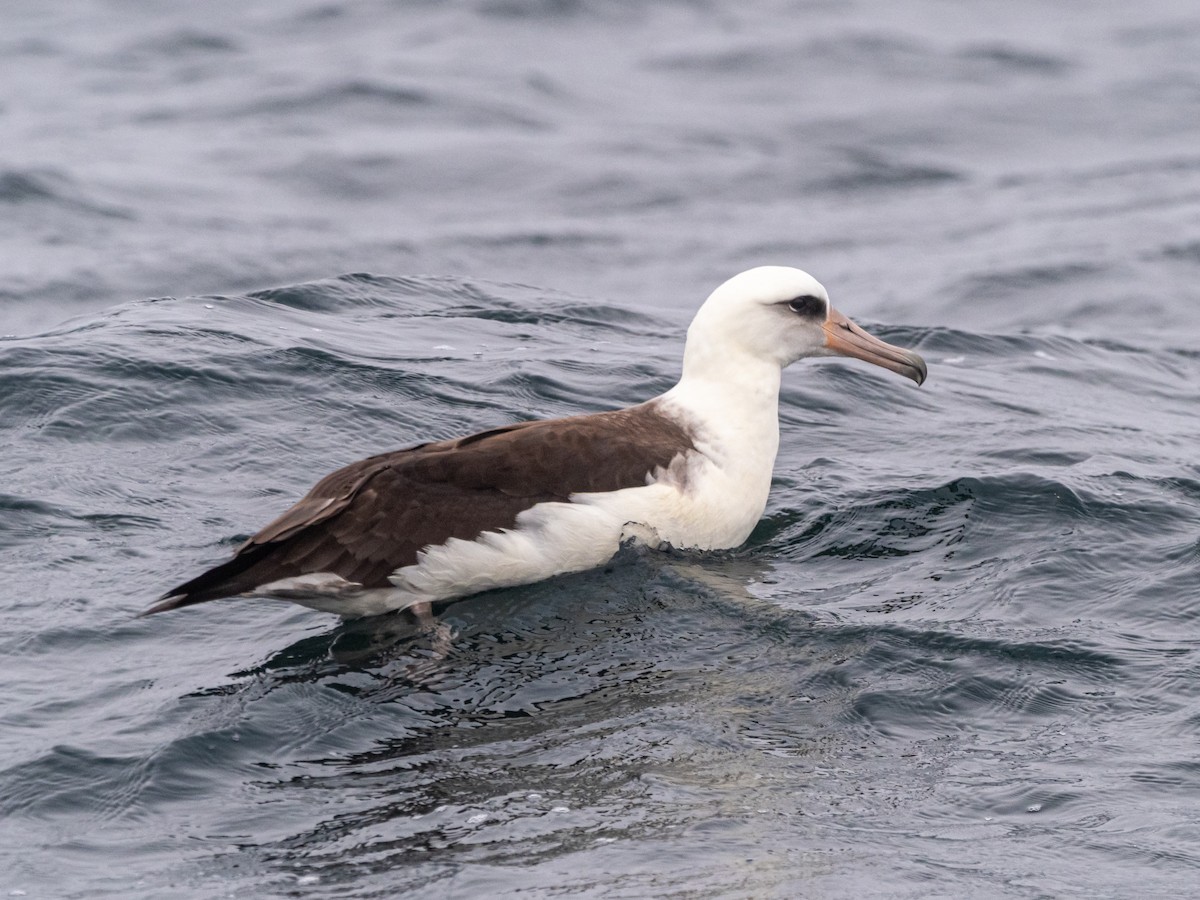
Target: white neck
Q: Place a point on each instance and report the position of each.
(735, 397)
(730, 404)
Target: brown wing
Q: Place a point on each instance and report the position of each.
(370, 518)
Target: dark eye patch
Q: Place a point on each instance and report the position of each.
(808, 305)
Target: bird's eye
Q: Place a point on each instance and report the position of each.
(808, 305)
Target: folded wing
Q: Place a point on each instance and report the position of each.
(372, 517)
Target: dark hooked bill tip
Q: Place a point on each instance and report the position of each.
(845, 338)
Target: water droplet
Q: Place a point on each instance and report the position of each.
(1036, 807)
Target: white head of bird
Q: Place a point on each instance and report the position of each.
(772, 316)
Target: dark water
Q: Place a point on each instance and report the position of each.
(960, 656)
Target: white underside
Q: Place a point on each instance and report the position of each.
(548, 539)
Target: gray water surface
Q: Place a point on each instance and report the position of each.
(244, 244)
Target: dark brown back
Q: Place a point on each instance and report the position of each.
(370, 518)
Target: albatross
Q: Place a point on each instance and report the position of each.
(690, 469)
